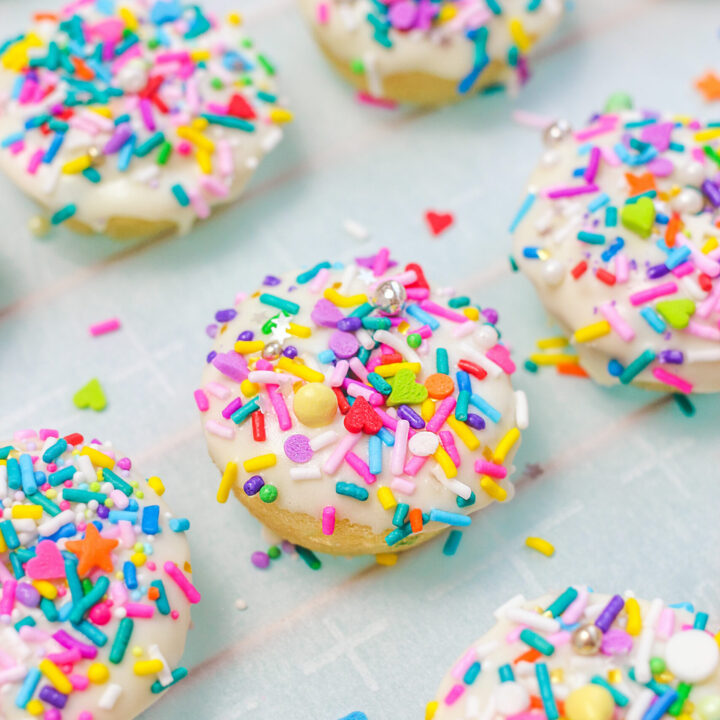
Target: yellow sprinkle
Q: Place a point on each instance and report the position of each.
(196, 138)
(553, 358)
(103, 110)
(445, 462)
(403, 327)
(665, 677)
(387, 559)
(592, 332)
(27, 512)
(56, 676)
(3, 545)
(35, 707)
(98, 673)
(245, 347)
(156, 484)
(148, 667)
(281, 116)
(552, 342)
(200, 55)
(45, 588)
(138, 559)
(128, 18)
(710, 245)
(137, 651)
(471, 313)
(447, 12)
(614, 676)
(72, 167)
(301, 331)
(468, 437)
(336, 298)
(505, 445)
(708, 134)
(204, 161)
(427, 409)
(394, 368)
(523, 41)
(199, 123)
(97, 458)
(234, 18)
(386, 498)
(228, 480)
(260, 462)
(541, 545)
(298, 370)
(557, 675)
(494, 490)
(634, 619)
(249, 389)
(431, 709)
(16, 57)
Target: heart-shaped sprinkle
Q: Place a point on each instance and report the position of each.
(90, 396)
(438, 222)
(362, 418)
(232, 365)
(326, 314)
(420, 282)
(48, 563)
(677, 313)
(405, 390)
(639, 217)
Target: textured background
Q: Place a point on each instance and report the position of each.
(624, 485)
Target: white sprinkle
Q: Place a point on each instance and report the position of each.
(355, 229)
(522, 416)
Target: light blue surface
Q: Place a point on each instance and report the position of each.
(629, 491)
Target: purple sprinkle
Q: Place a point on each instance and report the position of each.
(260, 559)
(343, 344)
(103, 512)
(712, 192)
(211, 356)
(120, 137)
(231, 407)
(475, 421)
(671, 356)
(350, 324)
(223, 316)
(490, 315)
(616, 642)
(405, 412)
(610, 612)
(271, 280)
(246, 335)
(211, 330)
(297, 448)
(287, 547)
(27, 595)
(54, 697)
(657, 271)
(290, 352)
(252, 485)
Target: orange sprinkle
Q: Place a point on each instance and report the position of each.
(571, 369)
(439, 386)
(153, 593)
(415, 518)
(536, 703)
(640, 183)
(673, 228)
(530, 656)
(37, 17)
(81, 69)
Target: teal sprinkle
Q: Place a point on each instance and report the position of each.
(513, 264)
(471, 673)
(48, 609)
(463, 503)
(92, 175)
(685, 404)
(442, 362)
(229, 121)
(620, 699)
(45, 503)
(63, 214)
(121, 640)
(30, 622)
(178, 674)
(379, 383)
(637, 366)
(117, 482)
(351, 490)
(459, 302)
(610, 216)
(400, 514)
(150, 144)
(9, 534)
(162, 603)
(506, 674)
(279, 303)
(513, 56)
(362, 310)
(308, 275)
(450, 548)
(310, 558)
(266, 96)
(494, 7)
(530, 366)
(591, 238)
(17, 566)
(376, 323)
(180, 195)
(533, 5)
(83, 496)
(5, 451)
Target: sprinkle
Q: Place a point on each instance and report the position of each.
(541, 545)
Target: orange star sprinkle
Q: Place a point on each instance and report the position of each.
(92, 552)
(640, 183)
(709, 86)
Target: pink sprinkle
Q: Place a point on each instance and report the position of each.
(182, 582)
(35, 160)
(328, 520)
(339, 373)
(201, 400)
(184, 147)
(455, 692)
(563, 192)
(214, 427)
(199, 205)
(703, 331)
(214, 186)
(368, 99)
(682, 270)
(417, 293)
(666, 624)
(673, 380)
(414, 465)
(337, 456)
(217, 390)
(322, 13)
(140, 610)
(45, 433)
(617, 323)
(639, 298)
(102, 328)
(442, 413)
(500, 355)
(462, 665)
(403, 485)
(448, 442)
(443, 312)
(622, 268)
(360, 467)
(604, 125)
(381, 263)
(488, 468)
(593, 165)
(146, 114)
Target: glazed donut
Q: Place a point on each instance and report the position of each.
(430, 53)
(134, 121)
(586, 656)
(354, 409)
(95, 588)
(618, 235)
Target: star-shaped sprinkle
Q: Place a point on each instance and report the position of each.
(640, 183)
(366, 276)
(709, 86)
(92, 552)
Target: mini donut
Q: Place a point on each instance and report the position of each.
(618, 234)
(134, 119)
(430, 53)
(581, 655)
(392, 418)
(95, 582)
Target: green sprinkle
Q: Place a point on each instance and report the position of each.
(657, 665)
(267, 65)
(274, 552)
(164, 153)
(309, 557)
(268, 493)
(357, 66)
(217, 83)
(618, 101)
(712, 154)
(414, 340)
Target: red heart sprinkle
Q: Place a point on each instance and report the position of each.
(362, 418)
(438, 222)
(421, 282)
